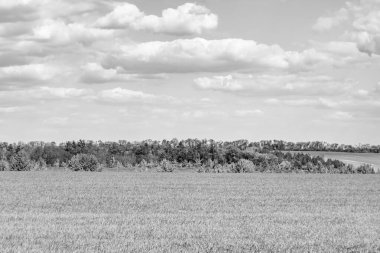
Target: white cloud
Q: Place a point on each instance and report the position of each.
(23, 73)
(341, 115)
(57, 121)
(199, 114)
(226, 83)
(95, 73)
(120, 95)
(201, 55)
(280, 85)
(187, 19)
(328, 22)
(246, 113)
(58, 32)
(60, 92)
(363, 21)
(9, 109)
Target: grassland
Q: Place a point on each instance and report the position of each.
(188, 212)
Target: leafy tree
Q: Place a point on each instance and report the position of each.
(84, 162)
(20, 162)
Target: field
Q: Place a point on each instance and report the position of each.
(188, 212)
(356, 159)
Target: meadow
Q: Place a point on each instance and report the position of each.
(61, 211)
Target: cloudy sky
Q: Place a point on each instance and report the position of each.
(296, 70)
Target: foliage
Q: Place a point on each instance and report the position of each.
(20, 162)
(166, 166)
(244, 166)
(365, 169)
(199, 155)
(4, 165)
(84, 162)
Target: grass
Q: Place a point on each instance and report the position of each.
(187, 212)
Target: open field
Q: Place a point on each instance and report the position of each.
(356, 159)
(188, 212)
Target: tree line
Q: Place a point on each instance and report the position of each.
(200, 155)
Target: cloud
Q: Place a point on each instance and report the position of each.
(57, 121)
(9, 109)
(201, 55)
(94, 73)
(16, 11)
(246, 113)
(187, 19)
(329, 22)
(362, 20)
(29, 96)
(23, 74)
(272, 84)
(120, 96)
(202, 114)
(58, 32)
(341, 115)
(60, 92)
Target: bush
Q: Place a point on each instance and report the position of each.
(244, 166)
(4, 165)
(20, 162)
(84, 162)
(39, 165)
(166, 166)
(365, 169)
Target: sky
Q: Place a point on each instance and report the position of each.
(296, 70)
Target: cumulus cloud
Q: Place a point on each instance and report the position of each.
(329, 22)
(246, 113)
(280, 85)
(187, 19)
(201, 55)
(121, 95)
(60, 92)
(363, 21)
(25, 74)
(17, 11)
(58, 32)
(118, 96)
(94, 73)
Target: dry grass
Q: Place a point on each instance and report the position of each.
(188, 212)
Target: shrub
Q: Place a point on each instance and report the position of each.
(20, 162)
(38, 165)
(365, 169)
(244, 166)
(4, 165)
(166, 166)
(84, 162)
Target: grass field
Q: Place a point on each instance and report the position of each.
(188, 212)
(355, 159)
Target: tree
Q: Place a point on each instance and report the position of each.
(20, 162)
(84, 162)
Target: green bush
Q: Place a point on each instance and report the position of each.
(166, 166)
(244, 166)
(84, 162)
(38, 165)
(20, 162)
(365, 169)
(4, 165)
